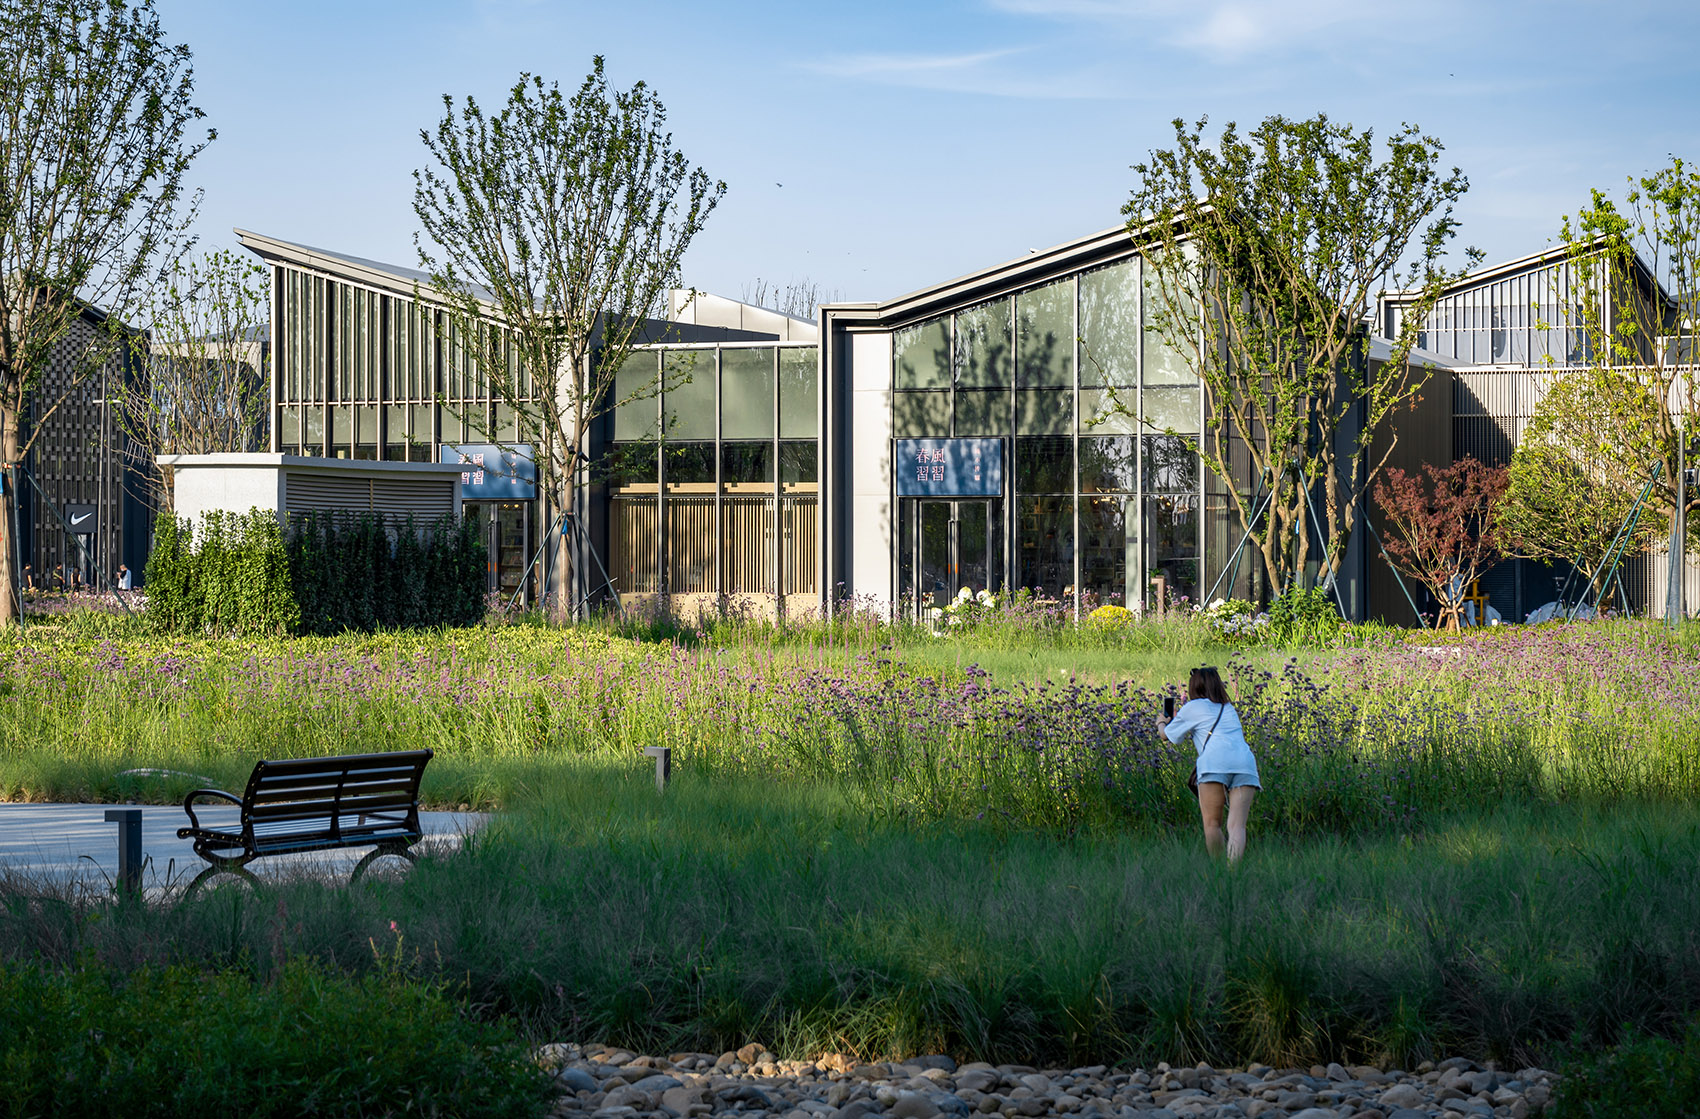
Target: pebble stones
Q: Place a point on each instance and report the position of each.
(596, 1082)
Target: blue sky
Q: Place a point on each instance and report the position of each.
(878, 147)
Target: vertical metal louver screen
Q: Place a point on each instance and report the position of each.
(801, 527)
(748, 547)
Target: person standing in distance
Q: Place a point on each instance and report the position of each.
(1227, 771)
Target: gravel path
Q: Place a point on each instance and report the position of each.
(597, 1082)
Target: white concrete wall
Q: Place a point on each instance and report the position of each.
(704, 309)
(237, 483)
(871, 513)
(237, 488)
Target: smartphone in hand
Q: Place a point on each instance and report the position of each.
(1168, 707)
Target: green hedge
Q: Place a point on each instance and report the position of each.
(308, 1041)
(240, 573)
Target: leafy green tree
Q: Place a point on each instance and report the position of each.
(1578, 468)
(553, 229)
(1263, 254)
(208, 376)
(1633, 307)
(95, 120)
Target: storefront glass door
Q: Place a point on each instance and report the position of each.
(513, 548)
(947, 545)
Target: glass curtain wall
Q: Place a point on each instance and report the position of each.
(1523, 319)
(367, 375)
(713, 473)
(1106, 500)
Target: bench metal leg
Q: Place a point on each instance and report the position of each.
(240, 871)
(374, 855)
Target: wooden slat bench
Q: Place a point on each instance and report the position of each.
(315, 804)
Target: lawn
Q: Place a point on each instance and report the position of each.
(887, 842)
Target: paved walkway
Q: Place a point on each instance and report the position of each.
(73, 843)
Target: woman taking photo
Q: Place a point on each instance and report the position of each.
(1227, 772)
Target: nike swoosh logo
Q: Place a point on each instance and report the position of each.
(79, 519)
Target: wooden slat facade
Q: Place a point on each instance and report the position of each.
(739, 557)
(691, 539)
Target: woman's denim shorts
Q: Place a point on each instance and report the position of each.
(1231, 780)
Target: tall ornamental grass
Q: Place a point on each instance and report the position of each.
(1348, 741)
(728, 911)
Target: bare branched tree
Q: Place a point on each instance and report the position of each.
(95, 119)
(801, 299)
(206, 389)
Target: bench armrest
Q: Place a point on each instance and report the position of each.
(188, 802)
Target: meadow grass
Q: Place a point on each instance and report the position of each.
(170, 1041)
(887, 841)
(1373, 736)
(731, 910)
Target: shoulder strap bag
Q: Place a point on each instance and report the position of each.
(1192, 778)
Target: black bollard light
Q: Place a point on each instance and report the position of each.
(129, 821)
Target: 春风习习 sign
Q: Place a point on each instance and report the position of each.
(949, 467)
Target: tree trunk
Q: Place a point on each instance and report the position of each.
(1340, 525)
(561, 576)
(11, 600)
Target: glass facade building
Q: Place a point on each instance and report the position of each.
(1048, 367)
(1104, 496)
(761, 460)
(707, 485)
(364, 370)
(1507, 332)
(713, 483)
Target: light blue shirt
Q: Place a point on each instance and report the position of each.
(1221, 751)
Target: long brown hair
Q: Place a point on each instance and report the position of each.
(1206, 683)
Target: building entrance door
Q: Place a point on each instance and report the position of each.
(507, 545)
(946, 545)
(512, 549)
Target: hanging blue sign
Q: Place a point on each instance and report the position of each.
(493, 473)
(949, 467)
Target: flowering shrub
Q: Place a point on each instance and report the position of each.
(1112, 615)
(1235, 619)
(970, 608)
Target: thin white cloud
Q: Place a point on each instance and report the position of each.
(1225, 30)
(908, 66)
(991, 72)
